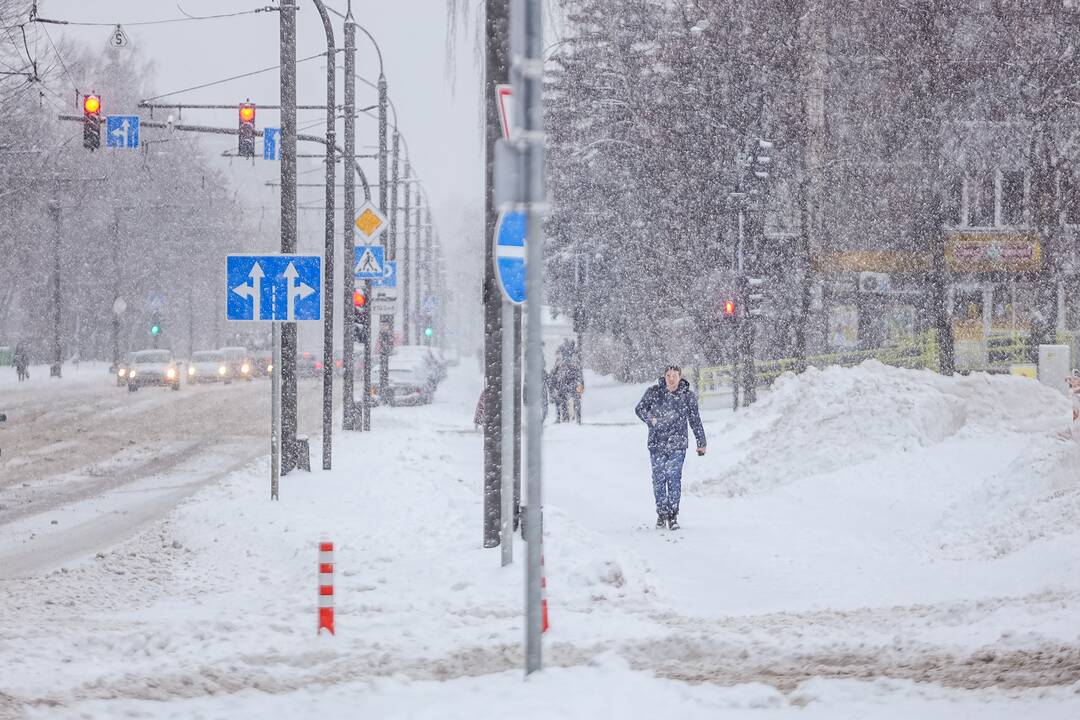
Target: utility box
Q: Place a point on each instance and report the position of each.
(1055, 364)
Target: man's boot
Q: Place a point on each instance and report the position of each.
(673, 522)
(661, 521)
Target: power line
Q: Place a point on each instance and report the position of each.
(230, 79)
(189, 18)
(59, 57)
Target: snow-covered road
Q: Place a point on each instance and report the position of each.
(85, 463)
(863, 543)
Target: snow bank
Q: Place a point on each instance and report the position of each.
(825, 420)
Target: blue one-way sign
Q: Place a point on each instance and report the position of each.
(122, 131)
(510, 255)
(273, 287)
(272, 143)
(389, 278)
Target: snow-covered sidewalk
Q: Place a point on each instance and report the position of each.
(862, 543)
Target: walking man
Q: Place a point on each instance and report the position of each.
(667, 408)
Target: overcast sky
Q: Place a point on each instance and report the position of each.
(441, 124)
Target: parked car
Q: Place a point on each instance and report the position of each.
(208, 366)
(422, 356)
(411, 383)
(238, 362)
(153, 367)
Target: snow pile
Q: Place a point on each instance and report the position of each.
(824, 420)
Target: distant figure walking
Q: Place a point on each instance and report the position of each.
(667, 408)
(22, 363)
(568, 383)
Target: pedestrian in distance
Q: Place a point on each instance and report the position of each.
(668, 408)
(21, 362)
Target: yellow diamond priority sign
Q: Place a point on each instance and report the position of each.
(370, 221)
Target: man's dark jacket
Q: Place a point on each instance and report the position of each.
(672, 411)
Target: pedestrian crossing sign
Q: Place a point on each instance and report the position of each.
(370, 262)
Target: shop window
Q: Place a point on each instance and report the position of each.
(981, 200)
(1012, 197)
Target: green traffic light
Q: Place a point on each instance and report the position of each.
(428, 332)
(155, 330)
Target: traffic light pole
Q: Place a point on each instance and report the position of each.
(348, 335)
(287, 16)
(328, 249)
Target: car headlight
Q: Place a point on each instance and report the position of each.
(269, 369)
(170, 373)
(245, 368)
(132, 374)
(122, 372)
(222, 370)
(191, 371)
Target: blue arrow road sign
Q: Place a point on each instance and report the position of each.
(122, 131)
(510, 255)
(271, 143)
(389, 278)
(273, 287)
(370, 260)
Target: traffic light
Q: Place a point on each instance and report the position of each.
(246, 139)
(754, 297)
(761, 161)
(361, 310)
(729, 308)
(91, 106)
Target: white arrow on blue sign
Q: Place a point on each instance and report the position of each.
(370, 260)
(273, 287)
(389, 278)
(510, 254)
(122, 131)
(271, 143)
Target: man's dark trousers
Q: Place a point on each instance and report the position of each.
(667, 480)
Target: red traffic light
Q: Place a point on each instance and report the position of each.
(247, 113)
(729, 308)
(91, 104)
(359, 299)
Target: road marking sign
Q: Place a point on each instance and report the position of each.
(510, 254)
(122, 131)
(271, 143)
(370, 260)
(274, 287)
(370, 221)
(389, 277)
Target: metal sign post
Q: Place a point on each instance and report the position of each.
(275, 412)
(526, 43)
(506, 540)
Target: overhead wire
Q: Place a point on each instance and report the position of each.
(230, 79)
(142, 23)
(60, 57)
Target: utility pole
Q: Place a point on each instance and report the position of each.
(528, 81)
(348, 322)
(497, 38)
(403, 265)
(386, 347)
(288, 225)
(385, 339)
(58, 345)
(328, 247)
(116, 290)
